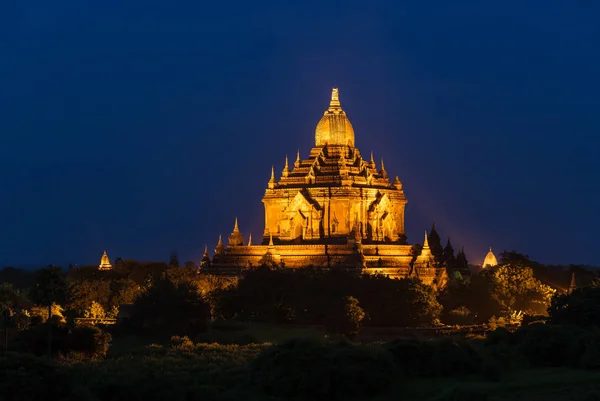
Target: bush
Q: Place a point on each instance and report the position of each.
(88, 340)
(548, 345)
(444, 357)
(322, 371)
(27, 378)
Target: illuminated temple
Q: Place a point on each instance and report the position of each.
(331, 209)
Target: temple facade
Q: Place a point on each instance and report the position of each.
(331, 209)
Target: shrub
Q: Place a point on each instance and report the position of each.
(88, 340)
(548, 345)
(444, 357)
(322, 371)
(27, 378)
(345, 317)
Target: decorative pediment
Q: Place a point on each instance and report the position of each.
(302, 202)
(382, 202)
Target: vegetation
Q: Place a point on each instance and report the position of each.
(285, 334)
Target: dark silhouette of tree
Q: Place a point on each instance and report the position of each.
(50, 288)
(345, 317)
(173, 260)
(580, 308)
(177, 308)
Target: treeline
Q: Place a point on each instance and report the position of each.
(158, 297)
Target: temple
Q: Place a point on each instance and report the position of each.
(104, 263)
(490, 259)
(331, 209)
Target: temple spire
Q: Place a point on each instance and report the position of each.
(335, 99)
(205, 249)
(382, 172)
(250, 239)
(271, 184)
(372, 161)
(297, 163)
(425, 241)
(286, 168)
(235, 226)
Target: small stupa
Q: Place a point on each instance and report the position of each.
(490, 259)
(104, 263)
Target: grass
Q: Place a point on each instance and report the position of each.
(551, 384)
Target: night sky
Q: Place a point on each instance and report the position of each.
(144, 127)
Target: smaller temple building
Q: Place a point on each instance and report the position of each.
(104, 263)
(490, 260)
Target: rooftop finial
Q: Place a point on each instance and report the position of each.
(335, 98)
(205, 249)
(425, 241)
(235, 225)
(250, 239)
(297, 163)
(286, 168)
(271, 184)
(220, 241)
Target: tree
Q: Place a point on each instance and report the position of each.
(345, 317)
(50, 288)
(516, 288)
(13, 310)
(176, 307)
(95, 311)
(579, 308)
(174, 259)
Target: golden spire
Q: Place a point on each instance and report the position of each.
(271, 184)
(297, 163)
(219, 249)
(426, 241)
(235, 226)
(372, 162)
(205, 250)
(397, 184)
(382, 171)
(286, 169)
(335, 99)
(250, 239)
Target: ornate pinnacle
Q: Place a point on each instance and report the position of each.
(220, 241)
(372, 162)
(297, 163)
(397, 184)
(335, 99)
(286, 169)
(250, 239)
(205, 250)
(271, 184)
(425, 241)
(382, 171)
(235, 226)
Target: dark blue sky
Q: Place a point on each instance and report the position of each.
(141, 127)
